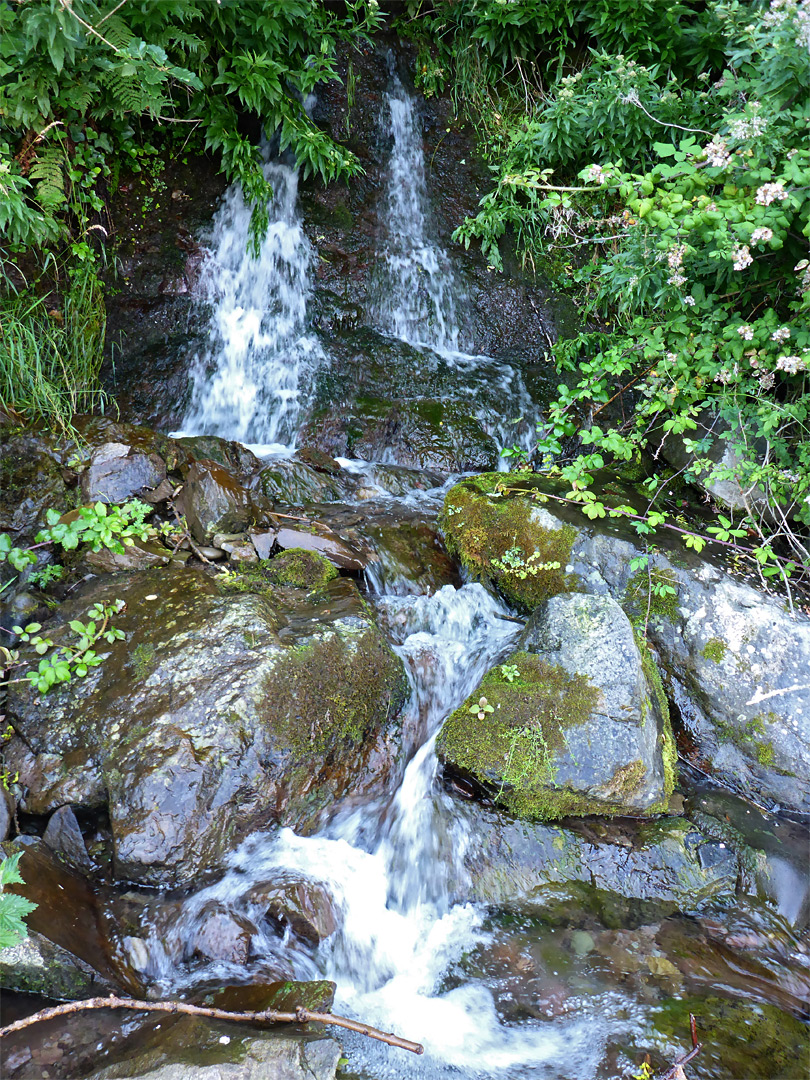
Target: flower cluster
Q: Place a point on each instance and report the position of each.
(597, 175)
(675, 256)
(746, 332)
(748, 127)
(782, 334)
(741, 254)
(760, 234)
(717, 153)
(791, 364)
(769, 193)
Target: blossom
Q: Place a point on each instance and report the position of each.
(762, 233)
(723, 376)
(675, 256)
(689, 301)
(782, 334)
(597, 175)
(742, 257)
(767, 380)
(746, 332)
(769, 193)
(717, 153)
(677, 280)
(791, 364)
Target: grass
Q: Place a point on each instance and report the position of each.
(50, 357)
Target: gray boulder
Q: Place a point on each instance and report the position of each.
(116, 473)
(220, 713)
(38, 966)
(576, 726)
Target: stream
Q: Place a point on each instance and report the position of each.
(535, 991)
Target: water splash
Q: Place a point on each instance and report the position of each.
(248, 384)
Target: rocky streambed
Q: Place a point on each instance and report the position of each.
(388, 731)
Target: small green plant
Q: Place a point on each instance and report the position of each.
(481, 708)
(13, 908)
(60, 664)
(515, 562)
(510, 672)
(43, 576)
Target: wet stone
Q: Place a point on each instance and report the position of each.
(214, 501)
(222, 935)
(113, 478)
(64, 837)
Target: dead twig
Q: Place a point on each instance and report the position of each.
(676, 1072)
(266, 1016)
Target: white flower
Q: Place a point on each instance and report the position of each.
(597, 175)
(763, 233)
(677, 280)
(782, 334)
(717, 153)
(746, 332)
(766, 381)
(791, 364)
(689, 301)
(769, 193)
(742, 256)
(675, 256)
(723, 376)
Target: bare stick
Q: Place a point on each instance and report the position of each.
(271, 1016)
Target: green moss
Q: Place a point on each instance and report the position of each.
(250, 578)
(641, 595)
(513, 747)
(765, 755)
(301, 569)
(143, 660)
(346, 684)
(715, 649)
(480, 530)
(669, 750)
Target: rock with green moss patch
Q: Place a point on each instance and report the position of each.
(512, 542)
(301, 569)
(577, 730)
(246, 709)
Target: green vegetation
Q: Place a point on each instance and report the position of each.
(13, 908)
(91, 87)
(302, 569)
(656, 153)
(715, 649)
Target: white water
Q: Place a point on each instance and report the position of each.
(250, 383)
(391, 869)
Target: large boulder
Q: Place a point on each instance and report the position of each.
(734, 658)
(570, 725)
(219, 713)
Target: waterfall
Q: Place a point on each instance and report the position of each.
(247, 384)
(418, 290)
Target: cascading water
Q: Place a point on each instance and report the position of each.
(392, 869)
(248, 384)
(418, 289)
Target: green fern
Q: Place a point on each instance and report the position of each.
(48, 170)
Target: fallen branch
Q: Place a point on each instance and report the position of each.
(268, 1016)
(676, 1072)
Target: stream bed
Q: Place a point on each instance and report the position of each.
(419, 925)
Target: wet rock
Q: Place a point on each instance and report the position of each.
(38, 966)
(115, 474)
(220, 713)
(233, 456)
(410, 556)
(297, 481)
(214, 501)
(329, 546)
(137, 556)
(287, 996)
(194, 1051)
(302, 569)
(512, 862)
(48, 781)
(64, 837)
(31, 481)
(222, 935)
(303, 905)
(239, 551)
(734, 659)
(569, 726)
(69, 913)
(8, 807)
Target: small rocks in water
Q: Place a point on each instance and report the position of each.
(263, 542)
(222, 935)
(64, 837)
(137, 556)
(241, 551)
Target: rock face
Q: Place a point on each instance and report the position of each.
(219, 713)
(115, 474)
(38, 966)
(733, 658)
(671, 862)
(569, 724)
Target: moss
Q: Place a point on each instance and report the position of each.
(512, 748)
(640, 597)
(765, 755)
(143, 660)
(249, 578)
(714, 649)
(302, 569)
(480, 530)
(346, 684)
(669, 750)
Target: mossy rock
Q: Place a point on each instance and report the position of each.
(510, 541)
(301, 569)
(570, 725)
